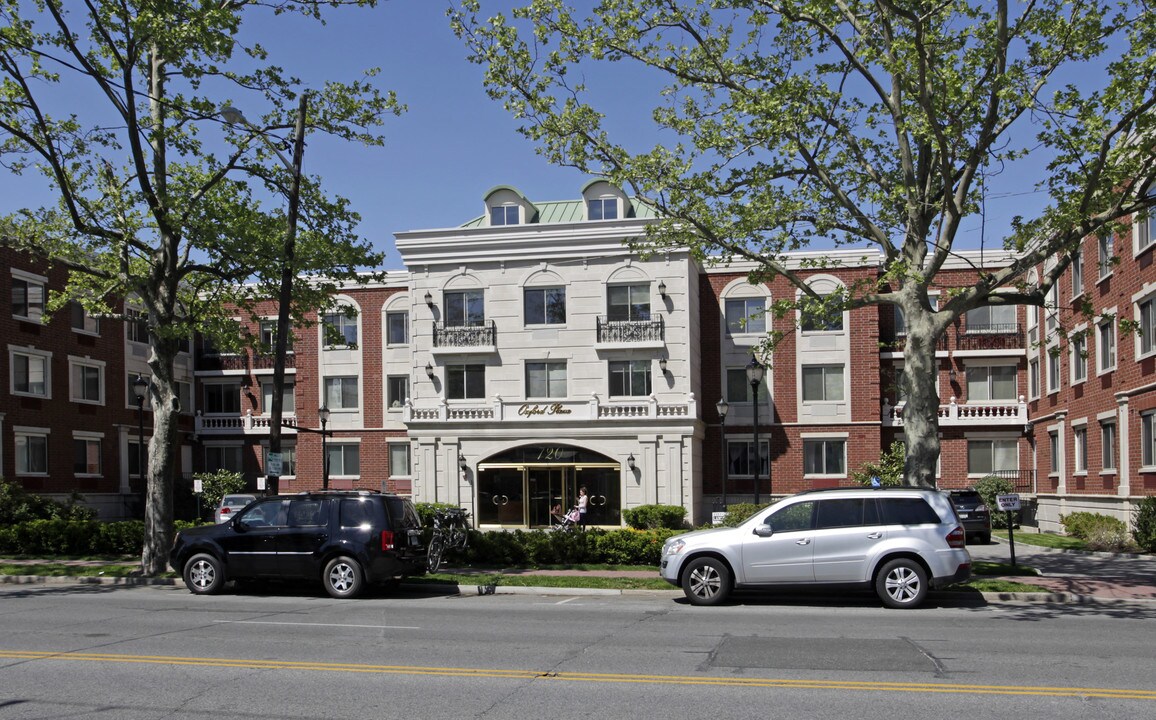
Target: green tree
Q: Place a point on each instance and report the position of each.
(888, 469)
(216, 485)
(865, 124)
(116, 104)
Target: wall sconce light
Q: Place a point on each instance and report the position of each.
(429, 298)
(630, 462)
(662, 289)
(662, 365)
(429, 370)
(462, 462)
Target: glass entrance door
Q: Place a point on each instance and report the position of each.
(502, 498)
(549, 487)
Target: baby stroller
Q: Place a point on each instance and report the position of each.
(564, 522)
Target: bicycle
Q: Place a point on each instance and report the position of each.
(450, 531)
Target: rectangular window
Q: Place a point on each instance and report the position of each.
(465, 309)
(397, 328)
(30, 374)
(1054, 446)
(602, 209)
(741, 458)
(629, 378)
(985, 457)
(1106, 345)
(1053, 372)
(223, 457)
(739, 388)
(994, 382)
(340, 330)
(1146, 229)
(288, 397)
(31, 454)
(137, 456)
(269, 336)
(137, 326)
(87, 383)
(1148, 439)
(1079, 346)
(1077, 268)
(1034, 378)
(824, 457)
(28, 297)
(81, 321)
(822, 383)
(185, 395)
(546, 379)
(288, 460)
(1107, 249)
(813, 320)
(396, 391)
(223, 398)
(399, 460)
(1147, 328)
(465, 382)
(991, 318)
(86, 456)
(344, 459)
(341, 393)
(1080, 448)
(746, 315)
(628, 303)
(1052, 310)
(1108, 445)
(544, 305)
(504, 215)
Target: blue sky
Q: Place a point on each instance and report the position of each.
(454, 143)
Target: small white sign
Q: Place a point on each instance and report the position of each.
(717, 518)
(1008, 502)
(260, 482)
(273, 464)
(198, 486)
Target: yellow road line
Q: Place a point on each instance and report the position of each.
(514, 674)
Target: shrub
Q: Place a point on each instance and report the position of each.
(1144, 524)
(216, 485)
(889, 467)
(426, 510)
(739, 512)
(1086, 525)
(988, 488)
(17, 506)
(654, 517)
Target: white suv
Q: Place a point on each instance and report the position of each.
(899, 541)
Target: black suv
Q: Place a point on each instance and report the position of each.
(974, 514)
(343, 539)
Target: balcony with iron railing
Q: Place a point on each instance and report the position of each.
(990, 336)
(481, 337)
(245, 362)
(897, 342)
(629, 332)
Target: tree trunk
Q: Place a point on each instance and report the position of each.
(921, 412)
(162, 453)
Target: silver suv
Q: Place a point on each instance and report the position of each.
(898, 541)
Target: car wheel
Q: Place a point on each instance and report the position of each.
(343, 578)
(204, 574)
(706, 581)
(902, 583)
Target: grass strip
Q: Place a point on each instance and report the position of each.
(1048, 540)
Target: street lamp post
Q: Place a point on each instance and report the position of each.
(722, 408)
(140, 387)
(755, 377)
(234, 116)
(323, 416)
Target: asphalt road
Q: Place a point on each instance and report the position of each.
(74, 651)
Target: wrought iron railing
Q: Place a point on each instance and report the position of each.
(630, 331)
(466, 336)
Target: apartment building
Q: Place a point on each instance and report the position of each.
(531, 351)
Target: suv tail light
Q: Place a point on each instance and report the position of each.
(387, 540)
(956, 538)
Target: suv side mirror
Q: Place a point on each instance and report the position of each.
(764, 531)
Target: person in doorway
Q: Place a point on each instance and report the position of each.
(583, 501)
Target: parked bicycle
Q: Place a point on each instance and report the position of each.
(451, 530)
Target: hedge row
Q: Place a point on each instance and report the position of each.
(523, 548)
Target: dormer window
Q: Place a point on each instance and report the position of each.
(602, 209)
(504, 215)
